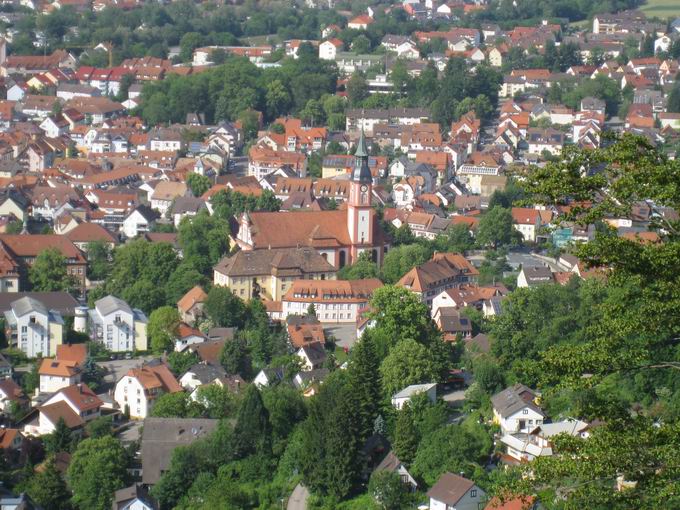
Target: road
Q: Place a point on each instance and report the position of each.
(298, 499)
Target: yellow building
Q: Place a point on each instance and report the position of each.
(270, 273)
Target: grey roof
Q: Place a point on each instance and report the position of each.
(450, 488)
(221, 333)
(109, 304)
(26, 305)
(479, 343)
(538, 274)
(361, 172)
(282, 262)
(183, 205)
(123, 497)
(315, 352)
(414, 389)
(148, 213)
(517, 397)
(207, 373)
(160, 436)
(61, 302)
(310, 376)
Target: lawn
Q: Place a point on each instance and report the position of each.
(661, 8)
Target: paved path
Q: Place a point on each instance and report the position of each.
(298, 499)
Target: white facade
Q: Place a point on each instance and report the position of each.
(524, 420)
(135, 224)
(34, 330)
(327, 50)
(130, 393)
(52, 383)
(471, 500)
(326, 311)
(117, 326)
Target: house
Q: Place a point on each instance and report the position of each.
(5, 368)
(160, 437)
(190, 306)
(137, 391)
(525, 447)
(453, 492)
(304, 330)
(117, 326)
(515, 409)
(532, 276)
(85, 233)
(10, 392)
(164, 193)
(334, 300)
(56, 374)
(204, 374)
(32, 328)
(186, 207)
(312, 356)
(268, 376)
(527, 222)
(139, 221)
(392, 464)
(330, 48)
(209, 352)
(270, 273)
(135, 497)
(443, 271)
(76, 405)
(404, 396)
(187, 336)
(453, 324)
(11, 440)
(360, 22)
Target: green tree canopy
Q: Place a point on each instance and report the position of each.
(49, 272)
(163, 328)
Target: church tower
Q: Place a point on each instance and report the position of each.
(359, 212)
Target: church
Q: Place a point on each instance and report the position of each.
(339, 236)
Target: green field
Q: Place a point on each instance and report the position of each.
(661, 8)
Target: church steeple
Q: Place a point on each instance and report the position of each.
(361, 172)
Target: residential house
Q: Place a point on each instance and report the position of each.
(515, 409)
(392, 464)
(205, 374)
(532, 276)
(186, 207)
(165, 193)
(76, 405)
(187, 336)
(161, 436)
(538, 442)
(56, 374)
(135, 497)
(527, 222)
(10, 392)
(32, 328)
(312, 356)
(190, 306)
(304, 330)
(400, 399)
(116, 326)
(453, 492)
(139, 221)
(139, 388)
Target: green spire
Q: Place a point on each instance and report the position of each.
(362, 151)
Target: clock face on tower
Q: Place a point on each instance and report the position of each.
(364, 187)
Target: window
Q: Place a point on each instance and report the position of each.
(473, 493)
(525, 411)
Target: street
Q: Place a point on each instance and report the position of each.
(298, 499)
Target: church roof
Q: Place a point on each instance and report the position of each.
(361, 172)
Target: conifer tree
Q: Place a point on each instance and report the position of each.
(405, 436)
(252, 433)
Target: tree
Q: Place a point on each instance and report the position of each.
(163, 328)
(454, 448)
(364, 384)
(98, 468)
(49, 272)
(387, 489)
(224, 308)
(235, 357)
(361, 44)
(405, 443)
(357, 89)
(252, 433)
(496, 228)
(277, 98)
(363, 268)
(176, 405)
(48, 489)
(100, 427)
(457, 239)
(180, 362)
(204, 240)
(218, 401)
(60, 440)
(198, 184)
(401, 259)
(408, 363)
(98, 260)
(673, 105)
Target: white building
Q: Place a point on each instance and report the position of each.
(453, 492)
(329, 49)
(137, 391)
(119, 327)
(515, 410)
(34, 329)
(55, 375)
(139, 221)
(405, 395)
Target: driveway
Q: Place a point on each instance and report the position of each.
(298, 499)
(345, 334)
(117, 368)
